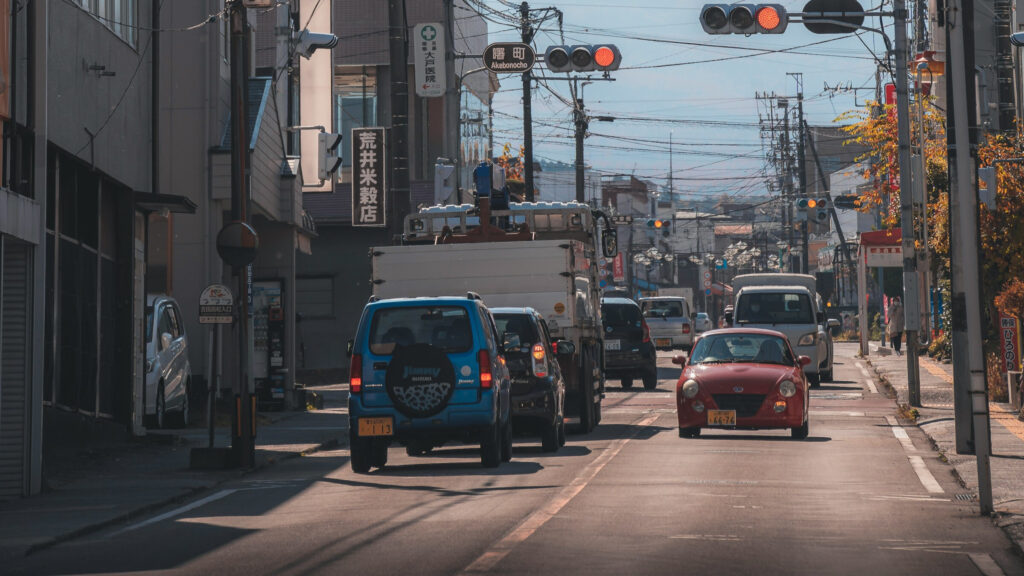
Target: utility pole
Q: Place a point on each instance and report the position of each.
(452, 95)
(398, 50)
(787, 182)
(580, 122)
(801, 164)
(524, 13)
(243, 434)
(911, 291)
(970, 394)
(671, 192)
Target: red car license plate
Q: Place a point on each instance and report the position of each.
(721, 417)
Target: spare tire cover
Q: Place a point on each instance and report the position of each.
(420, 380)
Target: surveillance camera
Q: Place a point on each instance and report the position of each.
(310, 42)
(1017, 39)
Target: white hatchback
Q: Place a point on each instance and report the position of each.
(168, 372)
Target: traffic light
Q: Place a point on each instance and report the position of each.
(664, 225)
(845, 201)
(744, 18)
(330, 154)
(582, 58)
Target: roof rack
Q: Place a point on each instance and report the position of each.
(474, 296)
(373, 298)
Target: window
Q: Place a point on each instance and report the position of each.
(660, 309)
(120, 16)
(314, 297)
(444, 327)
(355, 104)
(774, 308)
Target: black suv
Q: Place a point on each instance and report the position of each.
(628, 350)
(538, 390)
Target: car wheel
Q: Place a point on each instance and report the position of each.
(359, 450)
(561, 433)
(490, 446)
(800, 432)
(549, 437)
(597, 413)
(180, 419)
(691, 432)
(814, 380)
(827, 376)
(378, 454)
(160, 418)
(506, 442)
(627, 382)
(651, 380)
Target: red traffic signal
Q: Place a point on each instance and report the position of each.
(744, 18)
(582, 58)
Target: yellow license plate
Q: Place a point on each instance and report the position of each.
(376, 427)
(663, 342)
(721, 417)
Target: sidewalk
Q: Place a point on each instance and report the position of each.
(936, 419)
(116, 482)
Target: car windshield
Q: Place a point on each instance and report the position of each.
(774, 308)
(662, 309)
(620, 314)
(444, 327)
(742, 347)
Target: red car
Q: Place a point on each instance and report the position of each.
(742, 378)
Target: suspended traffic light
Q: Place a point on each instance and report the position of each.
(744, 18)
(820, 213)
(803, 204)
(582, 58)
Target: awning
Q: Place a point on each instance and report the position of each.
(720, 289)
(152, 202)
(891, 237)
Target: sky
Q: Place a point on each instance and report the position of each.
(663, 91)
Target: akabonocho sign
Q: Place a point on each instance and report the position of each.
(369, 192)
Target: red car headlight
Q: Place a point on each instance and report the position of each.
(787, 388)
(690, 388)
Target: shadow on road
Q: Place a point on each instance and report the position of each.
(724, 436)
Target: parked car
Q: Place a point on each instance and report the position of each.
(426, 371)
(702, 323)
(669, 320)
(742, 378)
(538, 389)
(628, 350)
(168, 372)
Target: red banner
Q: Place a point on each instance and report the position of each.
(618, 270)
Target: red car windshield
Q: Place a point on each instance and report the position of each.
(742, 347)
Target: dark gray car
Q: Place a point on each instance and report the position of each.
(628, 350)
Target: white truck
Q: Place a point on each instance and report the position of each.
(546, 262)
(790, 304)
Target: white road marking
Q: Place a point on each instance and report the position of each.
(986, 564)
(871, 386)
(916, 462)
(489, 559)
(175, 512)
(863, 370)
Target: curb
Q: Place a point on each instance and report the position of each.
(188, 494)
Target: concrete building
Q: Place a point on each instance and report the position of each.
(333, 284)
(556, 182)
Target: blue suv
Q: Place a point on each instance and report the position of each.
(425, 371)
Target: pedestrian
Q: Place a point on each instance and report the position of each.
(896, 324)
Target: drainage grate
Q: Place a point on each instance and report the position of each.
(968, 497)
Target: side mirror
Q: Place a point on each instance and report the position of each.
(564, 347)
(679, 359)
(165, 340)
(833, 323)
(804, 360)
(510, 342)
(609, 243)
(821, 317)
(348, 348)
(728, 317)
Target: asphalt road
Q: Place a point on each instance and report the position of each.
(862, 495)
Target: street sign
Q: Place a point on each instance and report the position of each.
(369, 198)
(707, 274)
(843, 16)
(707, 291)
(707, 283)
(618, 268)
(428, 59)
(509, 57)
(216, 305)
(1009, 332)
(622, 219)
(884, 257)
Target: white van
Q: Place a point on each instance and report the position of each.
(788, 303)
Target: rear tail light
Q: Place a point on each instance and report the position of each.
(485, 368)
(647, 331)
(686, 328)
(540, 367)
(355, 375)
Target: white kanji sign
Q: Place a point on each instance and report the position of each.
(368, 183)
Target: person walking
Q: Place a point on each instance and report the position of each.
(896, 324)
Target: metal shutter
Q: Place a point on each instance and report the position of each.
(15, 375)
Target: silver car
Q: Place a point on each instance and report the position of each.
(668, 318)
(168, 372)
(703, 322)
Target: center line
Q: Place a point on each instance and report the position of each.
(489, 559)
